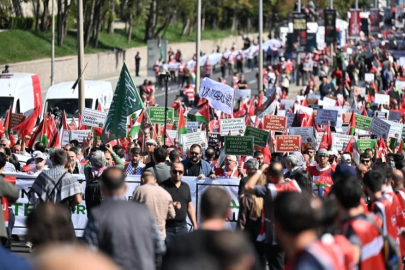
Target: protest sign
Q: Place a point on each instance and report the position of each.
(93, 118)
(400, 84)
(340, 141)
(288, 143)
(325, 116)
(243, 93)
(260, 136)
(369, 77)
(382, 99)
(381, 115)
(379, 128)
(192, 126)
(327, 101)
(287, 103)
(157, 115)
(189, 139)
(275, 123)
(235, 126)
(239, 145)
(395, 129)
(65, 137)
(365, 144)
(79, 135)
(290, 119)
(15, 119)
(394, 116)
(313, 96)
(306, 133)
(220, 96)
(172, 134)
(363, 122)
(281, 112)
(318, 139)
(346, 117)
(215, 140)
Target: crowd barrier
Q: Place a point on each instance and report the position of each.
(22, 207)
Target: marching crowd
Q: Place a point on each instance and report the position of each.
(314, 208)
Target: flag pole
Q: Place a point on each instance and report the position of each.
(197, 48)
(166, 77)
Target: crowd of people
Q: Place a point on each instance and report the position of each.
(314, 208)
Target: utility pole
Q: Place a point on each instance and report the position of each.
(53, 45)
(198, 49)
(260, 46)
(333, 44)
(80, 56)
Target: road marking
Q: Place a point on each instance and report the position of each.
(252, 82)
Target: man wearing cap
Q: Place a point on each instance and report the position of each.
(322, 168)
(40, 159)
(346, 158)
(230, 170)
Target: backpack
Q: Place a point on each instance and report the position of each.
(390, 250)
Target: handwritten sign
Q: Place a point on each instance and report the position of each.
(275, 123)
(235, 126)
(288, 143)
(93, 118)
(260, 136)
(239, 145)
(325, 116)
(379, 128)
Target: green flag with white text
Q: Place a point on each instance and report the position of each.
(126, 101)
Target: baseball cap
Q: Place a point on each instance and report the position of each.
(346, 158)
(333, 152)
(343, 170)
(322, 152)
(40, 155)
(151, 141)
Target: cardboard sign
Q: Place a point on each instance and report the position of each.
(366, 144)
(340, 141)
(369, 77)
(306, 133)
(79, 135)
(381, 115)
(382, 99)
(275, 123)
(346, 117)
(395, 129)
(363, 122)
(15, 119)
(235, 126)
(288, 143)
(192, 126)
(243, 93)
(260, 136)
(157, 115)
(189, 139)
(379, 128)
(215, 140)
(325, 116)
(239, 145)
(93, 118)
(65, 137)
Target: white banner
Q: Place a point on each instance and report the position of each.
(220, 96)
(79, 135)
(340, 141)
(236, 126)
(22, 207)
(93, 118)
(189, 139)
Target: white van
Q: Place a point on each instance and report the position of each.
(60, 97)
(22, 91)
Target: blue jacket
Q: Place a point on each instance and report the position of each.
(205, 167)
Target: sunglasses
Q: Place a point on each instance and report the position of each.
(3, 144)
(365, 161)
(177, 172)
(194, 153)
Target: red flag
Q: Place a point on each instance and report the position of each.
(251, 107)
(304, 102)
(364, 111)
(1, 128)
(27, 126)
(382, 150)
(326, 142)
(7, 124)
(352, 125)
(13, 140)
(260, 102)
(241, 111)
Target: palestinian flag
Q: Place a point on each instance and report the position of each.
(201, 113)
(351, 148)
(401, 147)
(352, 126)
(182, 127)
(44, 134)
(7, 123)
(136, 127)
(27, 126)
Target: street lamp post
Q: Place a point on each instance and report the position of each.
(166, 78)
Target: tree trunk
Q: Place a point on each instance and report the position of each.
(249, 25)
(99, 18)
(44, 25)
(130, 21)
(214, 24)
(234, 23)
(17, 8)
(37, 15)
(89, 24)
(203, 21)
(59, 23)
(186, 25)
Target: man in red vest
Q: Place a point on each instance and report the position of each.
(230, 170)
(359, 229)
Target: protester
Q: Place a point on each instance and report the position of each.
(125, 231)
(252, 165)
(40, 159)
(181, 196)
(78, 167)
(159, 169)
(195, 165)
(135, 166)
(230, 170)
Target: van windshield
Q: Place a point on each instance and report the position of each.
(70, 106)
(5, 103)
